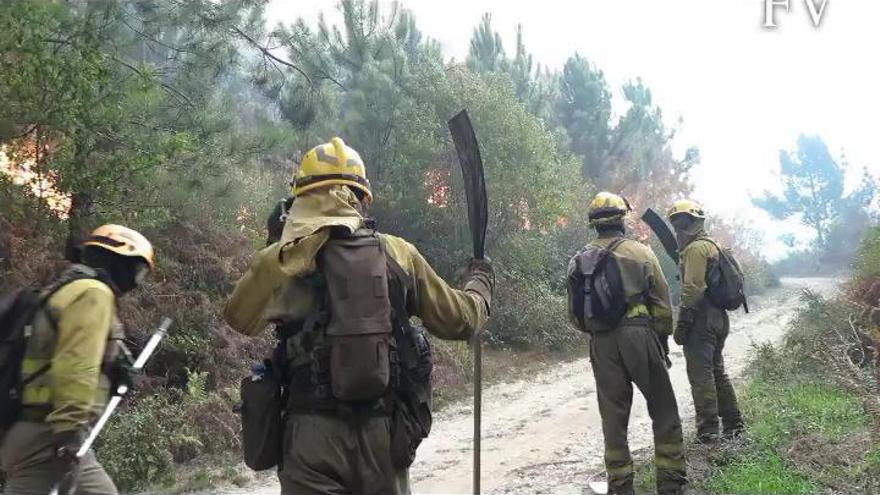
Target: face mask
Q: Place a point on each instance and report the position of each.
(140, 274)
(681, 222)
(686, 229)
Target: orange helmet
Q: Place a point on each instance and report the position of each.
(124, 241)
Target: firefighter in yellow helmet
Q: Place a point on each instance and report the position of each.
(73, 356)
(356, 372)
(702, 328)
(619, 297)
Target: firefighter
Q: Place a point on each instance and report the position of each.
(341, 438)
(629, 347)
(702, 327)
(73, 360)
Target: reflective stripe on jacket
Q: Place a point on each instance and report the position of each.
(74, 390)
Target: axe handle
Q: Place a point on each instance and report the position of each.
(478, 406)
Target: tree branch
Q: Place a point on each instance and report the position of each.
(265, 51)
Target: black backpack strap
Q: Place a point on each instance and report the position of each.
(617, 242)
(400, 287)
(712, 242)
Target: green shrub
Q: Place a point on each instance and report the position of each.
(141, 445)
(758, 274)
(530, 315)
(867, 263)
(138, 446)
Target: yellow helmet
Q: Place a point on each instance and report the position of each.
(332, 163)
(608, 207)
(124, 241)
(688, 207)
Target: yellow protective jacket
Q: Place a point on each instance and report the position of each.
(644, 285)
(71, 334)
(274, 289)
(696, 257)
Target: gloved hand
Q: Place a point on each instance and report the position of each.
(121, 373)
(664, 344)
(480, 278)
(684, 325)
(277, 219)
(65, 462)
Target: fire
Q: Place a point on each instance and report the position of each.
(437, 184)
(23, 171)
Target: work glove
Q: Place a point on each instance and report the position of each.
(121, 373)
(66, 465)
(684, 325)
(664, 344)
(277, 219)
(480, 278)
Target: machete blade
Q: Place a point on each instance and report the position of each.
(474, 182)
(663, 232)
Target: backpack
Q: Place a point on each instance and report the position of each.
(359, 328)
(725, 281)
(17, 311)
(374, 348)
(596, 287)
(372, 351)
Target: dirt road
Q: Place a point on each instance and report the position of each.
(543, 435)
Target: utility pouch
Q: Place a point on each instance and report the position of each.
(407, 433)
(359, 330)
(261, 419)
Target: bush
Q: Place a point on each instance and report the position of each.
(867, 262)
(141, 445)
(759, 275)
(534, 317)
(138, 446)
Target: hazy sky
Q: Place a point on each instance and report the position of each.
(743, 91)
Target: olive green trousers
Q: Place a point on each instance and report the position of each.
(712, 391)
(329, 454)
(26, 456)
(632, 354)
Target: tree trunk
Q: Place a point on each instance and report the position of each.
(81, 210)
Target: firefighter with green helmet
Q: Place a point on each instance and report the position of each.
(74, 354)
(619, 297)
(355, 370)
(702, 326)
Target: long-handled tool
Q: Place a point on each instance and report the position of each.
(663, 232)
(478, 217)
(122, 389)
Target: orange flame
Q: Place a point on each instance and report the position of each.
(23, 171)
(437, 184)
